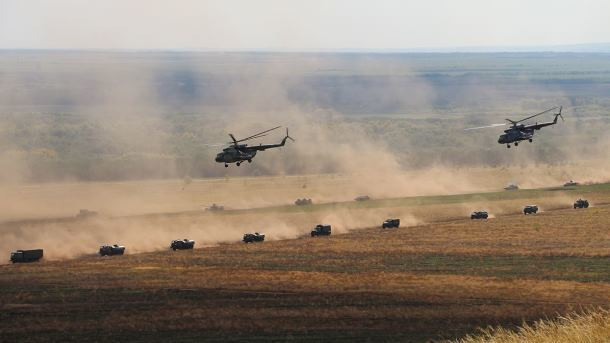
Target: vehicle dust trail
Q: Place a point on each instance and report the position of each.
(70, 239)
(152, 233)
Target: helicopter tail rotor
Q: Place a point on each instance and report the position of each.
(287, 136)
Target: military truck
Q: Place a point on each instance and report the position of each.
(84, 213)
(110, 250)
(390, 223)
(362, 198)
(571, 183)
(581, 203)
(321, 230)
(302, 202)
(253, 237)
(215, 208)
(479, 215)
(182, 244)
(530, 209)
(511, 187)
(22, 256)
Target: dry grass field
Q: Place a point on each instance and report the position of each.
(442, 277)
(590, 326)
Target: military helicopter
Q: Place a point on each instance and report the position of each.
(521, 132)
(238, 153)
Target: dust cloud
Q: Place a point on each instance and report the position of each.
(73, 238)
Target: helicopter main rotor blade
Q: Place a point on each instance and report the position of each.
(485, 127)
(260, 134)
(535, 115)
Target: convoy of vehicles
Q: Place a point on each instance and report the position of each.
(23, 256)
(111, 250)
(479, 215)
(511, 187)
(362, 198)
(302, 202)
(253, 237)
(530, 209)
(321, 230)
(182, 244)
(581, 203)
(215, 208)
(390, 223)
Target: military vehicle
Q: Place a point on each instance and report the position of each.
(302, 202)
(84, 213)
(571, 183)
(581, 203)
(215, 208)
(530, 209)
(521, 132)
(253, 237)
(109, 250)
(362, 198)
(238, 153)
(479, 215)
(22, 256)
(182, 244)
(511, 187)
(390, 223)
(321, 230)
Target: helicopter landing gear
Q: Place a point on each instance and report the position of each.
(508, 146)
(226, 165)
(238, 163)
(250, 161)
(516, 143)
(530, 140)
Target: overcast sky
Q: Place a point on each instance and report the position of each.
(303, 24)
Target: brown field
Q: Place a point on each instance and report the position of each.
(441, 277)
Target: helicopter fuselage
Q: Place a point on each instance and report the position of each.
(235, 155)
(515, 134)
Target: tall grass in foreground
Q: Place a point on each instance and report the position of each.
(591, 326)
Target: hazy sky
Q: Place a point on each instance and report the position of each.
(304, 24)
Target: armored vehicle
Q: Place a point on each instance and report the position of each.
(530, 209)
(304, 201)
(253, 237)
(571, 183)
(215, 208)
(479, 215)
(182, 244)
(581, 203)
(511, 187)
(109, 250)
(362, 198)
(84, 213)
(26, 255)
(321, 230)
(390, 223)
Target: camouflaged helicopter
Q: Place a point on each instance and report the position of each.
(238, 153)
(521, 132)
